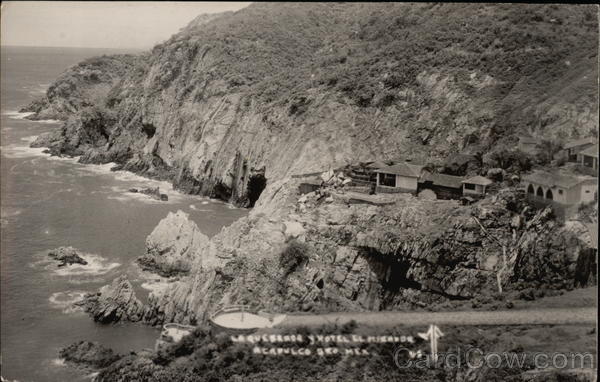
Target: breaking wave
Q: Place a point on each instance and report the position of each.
(96, 266)
(18, 115)
(65, 301)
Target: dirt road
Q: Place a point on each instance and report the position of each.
(571, 316)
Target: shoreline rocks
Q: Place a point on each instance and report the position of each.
(154, 193)
(173, 245)
(113, 303)
(89, 354)
(66, 256)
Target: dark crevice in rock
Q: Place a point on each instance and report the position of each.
(149, 129)
(256, 184)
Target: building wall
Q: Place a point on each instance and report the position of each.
(381, 179)
(479, 190)
(441, 192)
(566, 197)
(573, 151)
(406, 183)
(588, 192)
(573, 195)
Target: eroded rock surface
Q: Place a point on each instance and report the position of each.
(113, 303)
(174, 245)
(66, 256)
(410, 254)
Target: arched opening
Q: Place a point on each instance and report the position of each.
(256, 185)
(530, 189)
(540, 192)
(549, 195)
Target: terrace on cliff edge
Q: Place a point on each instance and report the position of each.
(309, 113)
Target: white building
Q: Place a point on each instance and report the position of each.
(401, 177)
(564, 189)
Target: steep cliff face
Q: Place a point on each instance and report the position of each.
(276, 89)
(353, 257)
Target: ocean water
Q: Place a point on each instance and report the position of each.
(50, 202)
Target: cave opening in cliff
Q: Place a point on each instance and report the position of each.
(256, 185)
(149, 129)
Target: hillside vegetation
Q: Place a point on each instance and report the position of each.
(282, 88)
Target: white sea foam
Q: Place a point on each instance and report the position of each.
(48, 121)
(193, 207)
(29, 139)
(9, 212)
(96, 266)
(65, 301)
(18, 115)
(19, 151)
(58, 362)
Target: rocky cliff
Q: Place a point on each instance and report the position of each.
(83, 85)
(234, 102)
(114, 302)
(335, 254)
(173, 245)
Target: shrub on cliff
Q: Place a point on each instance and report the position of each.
(511, 160)
(90, 354)
(294, 255)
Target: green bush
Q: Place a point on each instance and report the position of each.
(294, 255)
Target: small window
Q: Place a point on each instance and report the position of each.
(469, 186)
(560, 192)
(587, 191)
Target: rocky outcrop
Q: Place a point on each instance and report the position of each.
(174, 245)
(80, 86)
(409, 254)
(66, 256)
(88, 354)
(113, 303)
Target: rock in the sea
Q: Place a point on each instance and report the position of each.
(173, 245)
(134, 190)
(154, 193)
(66, 256)
(89, 354)
(114, 302)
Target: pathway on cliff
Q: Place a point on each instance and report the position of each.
(574, 316)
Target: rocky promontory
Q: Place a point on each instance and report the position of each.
(80, 86)
(113, 303)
